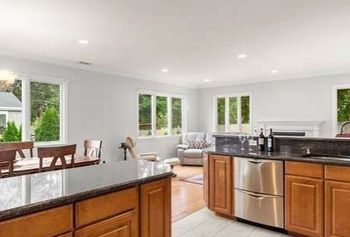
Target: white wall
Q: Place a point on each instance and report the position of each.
(103, 106)
(297, 99)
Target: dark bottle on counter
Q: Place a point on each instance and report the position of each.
(270, 142)
(261, 141)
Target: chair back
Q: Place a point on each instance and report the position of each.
(7, 158)
(92, 148)
(131, 143)
(57, 153)
(19, 147)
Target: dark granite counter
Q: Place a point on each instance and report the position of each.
(286, 155)
(31, 193)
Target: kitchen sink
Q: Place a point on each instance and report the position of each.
(325, 156)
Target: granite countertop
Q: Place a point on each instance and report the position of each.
(26, 194)
(288, 156)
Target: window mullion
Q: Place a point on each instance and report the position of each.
(170, 116)
(239, 114)
(154, 115)
(227, 114)
(26, 133)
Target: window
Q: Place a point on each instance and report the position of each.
(176, 119)
(37, 105)
(11, 107)
(341, 112)
(45, 111)
(159, 115)
(233, 113)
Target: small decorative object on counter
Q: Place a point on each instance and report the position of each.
(261, 140)
(270, 142)
(242, 139)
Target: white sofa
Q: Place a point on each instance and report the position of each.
(190, 152)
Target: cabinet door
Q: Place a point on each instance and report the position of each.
(206, 179)
(156, 209)
(221, 184)
(337, 209)
(124, 225)
(304, 205)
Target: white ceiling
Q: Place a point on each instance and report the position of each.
(194, 39)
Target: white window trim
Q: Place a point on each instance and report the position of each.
(26, 107)
(227, 96)
(335, 89)
(154, 94)
(6, 113)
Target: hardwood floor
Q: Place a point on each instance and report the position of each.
(187, 198)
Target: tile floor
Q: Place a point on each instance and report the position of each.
(204, 223)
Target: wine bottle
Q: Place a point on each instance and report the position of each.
(270, 142)
(261, 140)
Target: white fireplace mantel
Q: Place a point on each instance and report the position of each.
(311, 128)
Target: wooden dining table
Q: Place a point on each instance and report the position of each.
(31, 165)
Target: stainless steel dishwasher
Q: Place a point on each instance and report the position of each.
(258, 191)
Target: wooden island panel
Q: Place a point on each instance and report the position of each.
(155, 209)
(221, 184)
(52, 222)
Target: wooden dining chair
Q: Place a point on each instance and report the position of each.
(92, 148)
(7, 159)
(19, 146)
(57, 153)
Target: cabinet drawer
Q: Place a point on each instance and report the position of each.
(304, 169)
(265, 209)
(102, 207)
(341, 173)
(48, 223)
(121, 225)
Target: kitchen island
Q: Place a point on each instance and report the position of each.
(303, 194)
(126, 198)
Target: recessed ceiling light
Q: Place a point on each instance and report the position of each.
(165, 70)
(83, 41)
(274, 71)
(207, 80)
(242, 56)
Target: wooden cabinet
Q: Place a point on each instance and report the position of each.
(124, 225)
(98, 208)
(155, 209)
(206, 179)
(47, 223)
(70, 234)
(221, 184)
(304, 203)
(337, 208)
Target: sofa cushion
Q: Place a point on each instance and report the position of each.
(193, 153)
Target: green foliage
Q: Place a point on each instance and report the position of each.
(161, 112)
(221, 111)
(245, 109)
(12, 133)
(176, 110)
(343, 105)
(233, 110)
(145, 111)
(48, 126)
(43, 96)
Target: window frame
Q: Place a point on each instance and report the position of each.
(239, 111)
(169, 96)
(26, 107)
(335, 89)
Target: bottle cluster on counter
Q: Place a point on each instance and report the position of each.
(266, 143)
